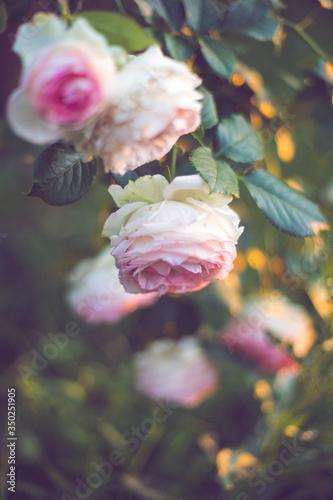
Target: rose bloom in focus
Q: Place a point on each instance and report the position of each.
(155, 102)
(172, 238)
(176, 371)
(95, 293)
(253, 345)
(67, 78)
(288, 322)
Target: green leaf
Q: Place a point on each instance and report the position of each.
(238, 141)
(219, 58)
(60, 177)
(209, 116)
(287, 209)
(119, 30)
(3, 16)
(251, 18)
(217, 173)
(171, 11)
(201, 15)
(178, 48)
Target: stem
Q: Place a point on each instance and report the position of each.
(64, 9)
(120, 7)
(173, 161)
(307, 38)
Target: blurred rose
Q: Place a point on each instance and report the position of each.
(176, 371)
(253, 345)
(154, 104)
(96, 294)
(68, 76)
(171, 237)
(287, 321)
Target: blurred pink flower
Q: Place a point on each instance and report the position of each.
(253, 345)
(96, 294)
(68, 77)
(176, 371)
(173, 237)
(285, 320)
(154, 104)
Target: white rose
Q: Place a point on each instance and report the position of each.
(154, 104)
(287, 321)
(95, 293)
(68, 77)
(171, 237)
(176, 371)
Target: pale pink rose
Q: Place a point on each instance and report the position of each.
(253, 345)
(154, 104)
(171, 237)
(176, 371)
(95, 293)
(67, 78)
(288, 322)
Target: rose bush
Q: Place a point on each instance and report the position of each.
(173, 237)
(176, 371)
(155, 102)
(95, 293)
(68, 77)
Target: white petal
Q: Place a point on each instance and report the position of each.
(187, 187)
(32, 37)
(27, 124)
(119, 218)
(148, 188)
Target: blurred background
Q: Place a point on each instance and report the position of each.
(76, 405)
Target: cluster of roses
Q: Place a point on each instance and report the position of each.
(128, 110)
(165, 237)
(75, 87)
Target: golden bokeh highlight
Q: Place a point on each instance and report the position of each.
(256, 258)
(285, 145)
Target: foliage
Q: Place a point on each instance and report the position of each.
(266, 139)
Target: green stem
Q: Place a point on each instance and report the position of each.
(174, 161)
(307, 38)
(121, 8)
(64, 9)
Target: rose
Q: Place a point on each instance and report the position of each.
(176, 371)
(154, 104)
(95, 293)
(285, 320)
(68, 76)
(171, 237)
(251, 343)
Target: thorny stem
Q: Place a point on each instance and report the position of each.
(308, 39)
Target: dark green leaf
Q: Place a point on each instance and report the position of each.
(237, 140)
(209, 116)
(217, 173)
(201, 15)
(171, 11)
(178, 48)
(119, 30)
(251, 18)
(60, 177)
(287, 209)
(219, 58)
